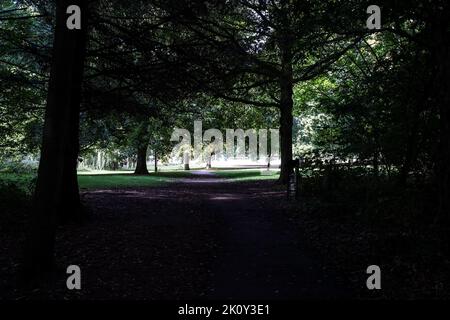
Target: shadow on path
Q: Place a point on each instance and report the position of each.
(260, 255)
(198, 238)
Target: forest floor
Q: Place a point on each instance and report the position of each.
(202, 237)
(212, 236)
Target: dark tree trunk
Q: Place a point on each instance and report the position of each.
(286, 123)
(443, 101)
(286, 106)
(56, 195)
(156, 162)
(141, 165)
(141, 147)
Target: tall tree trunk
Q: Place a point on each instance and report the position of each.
(442, 56)
(142, 146)
(141, 165)
(56, 195)
(156, 162)
(286, 106)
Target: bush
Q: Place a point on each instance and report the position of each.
(12, 192)
(15, 195)
(17, 167)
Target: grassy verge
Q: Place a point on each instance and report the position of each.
(247, 175)
(25, 181)
(127, 180)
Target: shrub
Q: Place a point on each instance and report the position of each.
(14, 202)
(18, 167)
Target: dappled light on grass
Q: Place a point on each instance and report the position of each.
(103, 172)
(118, 181)
(248, 174)
(125, 179)
(89, 180)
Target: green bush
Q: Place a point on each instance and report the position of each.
(15, 196)
(17, 167)
(11, 192)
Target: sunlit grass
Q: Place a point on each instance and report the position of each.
(104, 180)
(247, 174)
(103, 172)
(89, 180)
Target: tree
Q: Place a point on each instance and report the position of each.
(56, 196)
(141, 140)
(426, 26)
(23, 77)
(255, 52)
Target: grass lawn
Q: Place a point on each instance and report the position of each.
(127, 180)
(247, 174)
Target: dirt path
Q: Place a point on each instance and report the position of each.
(199, 238)
(260, 255)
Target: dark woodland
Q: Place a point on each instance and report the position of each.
(88, 176)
